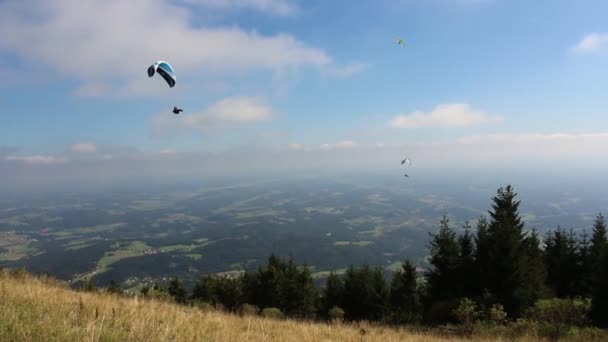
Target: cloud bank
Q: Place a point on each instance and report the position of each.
(559, 152)
(454, 115)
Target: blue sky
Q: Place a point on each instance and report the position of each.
(270, 78)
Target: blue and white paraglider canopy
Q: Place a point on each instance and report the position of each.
(165, 70)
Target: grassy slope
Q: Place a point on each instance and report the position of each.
(33, 309)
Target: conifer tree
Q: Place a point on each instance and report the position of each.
(365, 293)
(333, 293)
(599, 303)
(444, 257)
(482, 256)
(404, 297)
(534, 270)
(585, 266)
(466, 273)
(113, 287)
(177, 290)
(597, 248)
(562, 263)
(508, 263)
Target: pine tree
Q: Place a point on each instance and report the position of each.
(113, 287)
(562, 263)
(466, 264)
(177, 290)
(404, 297)
(333, 293)
(508, 263)
(298, 293)
(365, 294)
(482, 257)
(599, 303)
(444, 251)
(585, 266)
(597, 248)
(534, 270)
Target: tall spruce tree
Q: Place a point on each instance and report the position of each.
(365, 293)
(562, 263)
(404, 297)
(466, 263)
(333, 293)
(482, 256)
(508, 263)
(585, 265)
(535, 273)
(177, 290)
(444, 257)
(597, 248)
(599, 303)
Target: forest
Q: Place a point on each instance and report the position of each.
(497, 273)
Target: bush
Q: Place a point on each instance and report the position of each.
(524, 327)
(466, 312)
(160, 295)
(556, 311)
(336, 314)
(496, 314)
(272, 313)
(201, 305)
(441, 311)
(248, 310)
(19, 273)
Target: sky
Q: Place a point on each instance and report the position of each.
(283, 85)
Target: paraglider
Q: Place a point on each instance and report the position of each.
(409, 163)
(165, 70)
(400, 42)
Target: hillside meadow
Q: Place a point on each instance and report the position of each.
(44, 309)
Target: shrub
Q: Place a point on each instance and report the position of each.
(272, 313)
(524, 327)
(569, 312)
(248, 310)
(336, 314)
(441, 311)
(466, 312)
(201, 305)
(496, 314)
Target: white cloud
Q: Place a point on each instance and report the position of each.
(339, 145)
(511, 153)
(593, 42)
(456, 114)
(347, 70)
(38, 159)
(532, 138)
(228, 111)
(76, 39)
(83, 148)
(279, 7)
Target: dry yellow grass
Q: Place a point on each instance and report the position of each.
(33, 309)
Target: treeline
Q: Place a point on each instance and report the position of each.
(497, 271)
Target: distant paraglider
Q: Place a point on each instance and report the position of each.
(165, 70)
(400, 42)
(409, 163)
